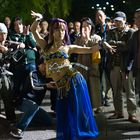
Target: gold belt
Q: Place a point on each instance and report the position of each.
(64, 81)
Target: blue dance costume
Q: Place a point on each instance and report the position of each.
(75, 120)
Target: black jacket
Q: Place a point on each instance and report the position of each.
(133, 52)
(121, 40)
(35, 87)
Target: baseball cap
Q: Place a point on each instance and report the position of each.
(3, 28)
(119, 16)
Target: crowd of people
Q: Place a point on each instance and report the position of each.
(78, 63)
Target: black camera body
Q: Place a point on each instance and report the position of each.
(13, 54)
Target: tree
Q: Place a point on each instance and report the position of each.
(58, 8)
(22, 8)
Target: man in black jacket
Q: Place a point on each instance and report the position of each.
(119, 38)
(134, 53)
(5, 77)
(33, 94)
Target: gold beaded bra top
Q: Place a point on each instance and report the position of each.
(58, 67)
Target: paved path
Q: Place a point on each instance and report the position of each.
(119, 129)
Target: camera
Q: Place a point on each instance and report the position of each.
(13, 54)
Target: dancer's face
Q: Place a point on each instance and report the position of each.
(59, 31)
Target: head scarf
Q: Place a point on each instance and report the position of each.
(54, 24)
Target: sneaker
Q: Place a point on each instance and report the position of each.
(17, 133)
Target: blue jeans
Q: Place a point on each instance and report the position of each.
(30, 67)
(31, 110)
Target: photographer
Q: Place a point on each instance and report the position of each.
(119, 38)
(25, 57)
(34, 91)
(5, 77)
(3, 36)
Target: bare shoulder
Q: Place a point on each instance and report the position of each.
(65, 48)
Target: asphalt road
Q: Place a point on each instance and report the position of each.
(119, 129)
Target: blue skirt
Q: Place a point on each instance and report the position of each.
(75, 120)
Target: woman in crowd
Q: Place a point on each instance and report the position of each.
(88, 38)
(74, 113)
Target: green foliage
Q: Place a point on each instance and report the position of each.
(20, 8)
(59, 8)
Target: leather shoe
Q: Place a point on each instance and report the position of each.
(116, 116)
(99, 110)
(133, 119)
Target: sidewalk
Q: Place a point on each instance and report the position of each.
(119, 129)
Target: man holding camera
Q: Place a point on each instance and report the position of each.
(24, 58)
(5, 77)
(119, 38)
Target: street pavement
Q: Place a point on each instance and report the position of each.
(119, 129)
